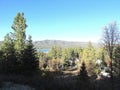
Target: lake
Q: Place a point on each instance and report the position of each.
(44, 50)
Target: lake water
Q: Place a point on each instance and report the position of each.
(44, 50)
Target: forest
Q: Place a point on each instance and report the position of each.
(62, 68)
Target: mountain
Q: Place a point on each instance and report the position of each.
(66, 44)
(0, 43)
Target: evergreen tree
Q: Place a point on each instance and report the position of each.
(59, 52)
(41, 57)
(53, 52)
(89, 53)
(18, 54)
(116, 63)
(30, 60)
(0, 55)
(64, 54)
(89, 57)
(19, 27)
(83, 82)
(56, 52)
(8, 54)
(83, 73)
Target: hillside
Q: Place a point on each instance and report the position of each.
(66, 44)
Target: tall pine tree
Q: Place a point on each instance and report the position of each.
(30, 61)
(19, 27)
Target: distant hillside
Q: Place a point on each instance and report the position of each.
(0, 43)
(51, 43)
(65, 44)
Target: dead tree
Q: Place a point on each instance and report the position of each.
(109, 40)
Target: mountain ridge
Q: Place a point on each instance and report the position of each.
(62, 43)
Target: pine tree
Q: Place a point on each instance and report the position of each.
(83, 82)
(89, 57)
(83, 73)
(8, 54)
(116, 63)
(19, 27)
(18, 54)
(53, 52)
(30, 60)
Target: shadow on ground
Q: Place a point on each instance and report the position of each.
(57, 80)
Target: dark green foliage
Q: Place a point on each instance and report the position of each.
(55, 52)
(1, 55)
(8, 58)
(83, 82)
(83, 73)
(30, 60)
(17, 55)
(19, 22)
(83, 77)
(103, 59)
(116, 63)
(71, 54)
(19, 27)
(24, 50)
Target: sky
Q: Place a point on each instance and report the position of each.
(71, 20)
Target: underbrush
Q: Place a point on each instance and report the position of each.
(45, 80)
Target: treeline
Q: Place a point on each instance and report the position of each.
(70, 57)
(17, 54)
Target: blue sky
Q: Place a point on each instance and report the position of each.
(71, 20)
